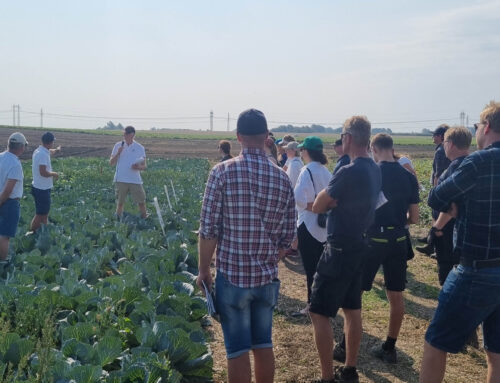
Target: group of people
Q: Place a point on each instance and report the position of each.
(128, 156)
(253, 211)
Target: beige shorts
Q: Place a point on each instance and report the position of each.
(136, 192)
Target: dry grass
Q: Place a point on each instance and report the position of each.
(296, 356)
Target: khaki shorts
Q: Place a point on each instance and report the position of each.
(136, 192)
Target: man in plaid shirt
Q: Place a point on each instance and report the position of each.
(471, 293)
(248, 217)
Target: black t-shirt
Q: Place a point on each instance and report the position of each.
(400, 188)
(356, 188)
(342, 161)
(454, 165)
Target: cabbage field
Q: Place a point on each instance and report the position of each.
(91, 299)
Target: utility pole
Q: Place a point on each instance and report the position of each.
(41, 118)
(467, 122)
(18, 115)
(211, 120)
(228, 122)
(13, 115)
(462, 118)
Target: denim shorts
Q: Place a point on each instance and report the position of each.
(42, 200)
(246, 315)
(468, 298)
(9, 218)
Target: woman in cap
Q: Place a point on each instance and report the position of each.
(313, 178)
(295, 164)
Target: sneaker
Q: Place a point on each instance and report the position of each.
(422, 240)
(339, 353)
(345, 375)
(427, 249)
(388, 356)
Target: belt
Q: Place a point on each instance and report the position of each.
(480, 263)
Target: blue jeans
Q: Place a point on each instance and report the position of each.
(468, 298)
(9, 218)
(246, 315)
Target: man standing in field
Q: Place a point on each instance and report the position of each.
(456, 145)
(43, 177)
(130, 159)
(248, 218)
(11, 190)
(470, 294)
(387, 236)
(439, 165)
(343, 158)
(352, 196)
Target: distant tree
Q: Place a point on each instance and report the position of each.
(427, 131)
(111, 126)
(314, 128)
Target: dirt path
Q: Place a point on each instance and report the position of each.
(296, 356)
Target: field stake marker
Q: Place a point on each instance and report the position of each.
(175, 196)
(168, 197)
(158, 211)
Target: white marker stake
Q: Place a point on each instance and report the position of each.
(175, 196)
(168, 197)
(160, 218)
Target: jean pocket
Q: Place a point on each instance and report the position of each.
(483, 294)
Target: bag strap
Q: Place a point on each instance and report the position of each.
(312, 180)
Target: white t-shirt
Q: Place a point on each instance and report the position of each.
(130, 155)
(405, 160)
(305, 192)
(41, 156)
(293, 170)
(11, 169)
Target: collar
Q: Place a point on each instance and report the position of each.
(253, 152)
(493, 145)
(437, 147)
(41, 147)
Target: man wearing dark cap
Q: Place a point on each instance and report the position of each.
(343, 157)
(439, 165)
(130, 159)
(248, 219)
(11, 191)
(43, 180)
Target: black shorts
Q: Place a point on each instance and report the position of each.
(337, 282)
(42, 200)
(389, 249)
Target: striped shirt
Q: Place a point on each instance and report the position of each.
(249, 207)
(475, 187)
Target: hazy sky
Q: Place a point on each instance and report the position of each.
(298, 61)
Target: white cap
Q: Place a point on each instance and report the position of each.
(18, 138)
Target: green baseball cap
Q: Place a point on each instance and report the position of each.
(312, 143)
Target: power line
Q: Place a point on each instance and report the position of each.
(117, 118)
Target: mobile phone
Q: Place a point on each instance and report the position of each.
(123, 143)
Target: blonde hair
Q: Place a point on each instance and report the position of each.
(491, 114)
(460, 136)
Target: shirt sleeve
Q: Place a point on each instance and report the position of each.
(303, 190)
(442, 162)
(211, 210)
(43, 159)
(337, 184)
(455, 187)
(15, 173)
(115, 148)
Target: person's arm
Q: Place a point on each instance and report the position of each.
(7, 190)
(454, 187)
(206, 249)
(140, 166)
(288, 225)
(323, 202)
(413, 213)
(45, 173)
(408, 167)
(115, 154)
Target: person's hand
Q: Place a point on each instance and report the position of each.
(58, 148)
(136, 167)
(205, 276)
(120, 149)
(55, 176)
(281, 254)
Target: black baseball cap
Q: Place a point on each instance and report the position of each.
(251, 122)
(338, 142)
(47, 138)
(440, 131)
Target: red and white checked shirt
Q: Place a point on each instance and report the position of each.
(249, 207)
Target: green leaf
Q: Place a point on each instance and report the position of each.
(86, 374)
(79, 350)
(108, 349)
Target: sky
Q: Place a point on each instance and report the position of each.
(406, 65)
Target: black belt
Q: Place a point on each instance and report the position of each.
(480, 263)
